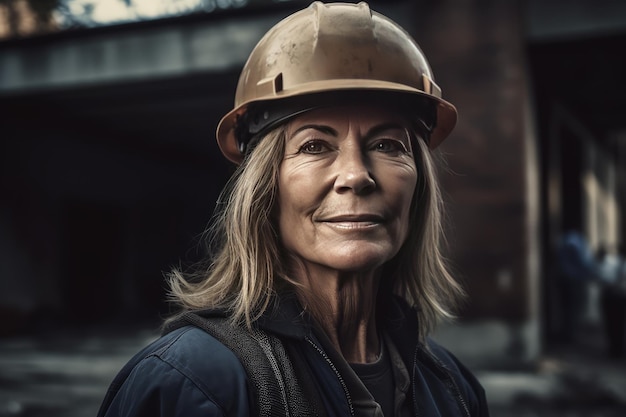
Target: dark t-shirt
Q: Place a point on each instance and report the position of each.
(379, 380)
(375, 392)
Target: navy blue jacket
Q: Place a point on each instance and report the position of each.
(188, 373)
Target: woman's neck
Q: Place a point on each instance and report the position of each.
(344, 305)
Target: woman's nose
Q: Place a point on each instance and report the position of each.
(353, 173)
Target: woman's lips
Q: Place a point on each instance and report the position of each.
(371, 218)
(353, 221)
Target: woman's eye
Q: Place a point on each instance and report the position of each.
(390, 146)
(313, 147)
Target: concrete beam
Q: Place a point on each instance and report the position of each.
(130, 54)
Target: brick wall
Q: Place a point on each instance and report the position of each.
(476, 50)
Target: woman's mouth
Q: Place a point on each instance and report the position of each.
(353, 221)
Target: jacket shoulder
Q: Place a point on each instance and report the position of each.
(183, 373)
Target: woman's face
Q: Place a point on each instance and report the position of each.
(345, 187)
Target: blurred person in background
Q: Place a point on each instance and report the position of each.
(576, 267)
(612, 276)
(327, 275)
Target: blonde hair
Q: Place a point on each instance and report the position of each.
(420, 269)
(246, 269)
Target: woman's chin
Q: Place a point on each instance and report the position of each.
(355, 261)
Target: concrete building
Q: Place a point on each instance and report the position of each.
(110, 169)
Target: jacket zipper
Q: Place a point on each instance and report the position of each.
(451, 384)
(454, 388)
(416, 409)
(330, 363)
(459, 397)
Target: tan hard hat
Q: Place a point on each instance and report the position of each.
(326, 50)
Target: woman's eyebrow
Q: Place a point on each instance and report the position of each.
(371, 132)
(322, 128)
(385, 127)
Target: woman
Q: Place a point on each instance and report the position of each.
(327, 275)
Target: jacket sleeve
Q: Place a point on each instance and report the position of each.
(185, 374)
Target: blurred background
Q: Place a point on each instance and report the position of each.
(110, 172)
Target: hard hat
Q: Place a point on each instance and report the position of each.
(321, 55)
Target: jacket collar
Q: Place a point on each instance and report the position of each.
(402, 325)
(287, 318)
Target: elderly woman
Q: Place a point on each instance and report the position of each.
(327, 275)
